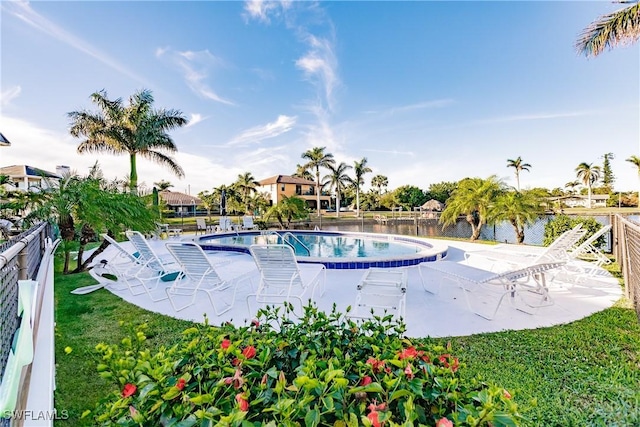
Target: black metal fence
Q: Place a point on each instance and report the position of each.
(20, 259)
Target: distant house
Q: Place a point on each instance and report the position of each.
(26, 178)
(283, 185)
(582, 201)
(180, 203)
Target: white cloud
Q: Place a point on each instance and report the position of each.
(395, 152)
(262, 10)
(535, 116)
(9, 95)
(320, 66)
(23, 11)
(438, 103)
(195, 66)
(195, 119)
(270, 130)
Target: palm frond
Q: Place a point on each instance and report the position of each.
(164, 160)
(617, 28)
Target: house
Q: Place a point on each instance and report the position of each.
(580, 200)
(26, 178)
(180, 203)
(283, 185)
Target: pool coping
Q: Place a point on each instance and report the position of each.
(432, 252)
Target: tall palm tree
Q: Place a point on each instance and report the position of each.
(519, 166)
(636, 161)
(608, 31)
(337, 179)
(163, 185)
(589, 175)
(359, 169)
(135, 129)
(246, 185)
(317, 159)
(379, 181)
(303, 172)
(474, 197)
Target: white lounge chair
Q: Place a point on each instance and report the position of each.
(589, 252)
(282, 279)
(381, 291)
(247, 223)
(154, 269)
(225, 224)
(557, 251)
(520, 283)
(123, 266)
(198, 273)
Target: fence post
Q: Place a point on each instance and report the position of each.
(23, 264)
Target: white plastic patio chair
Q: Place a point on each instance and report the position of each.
(381, 291)
(282, 279)
(247, 223)
(198, 273)
(557, 251)
(225, 224)
(202, 227)
(154, 269)
(589, 252)
(520, 283)
(123, 266)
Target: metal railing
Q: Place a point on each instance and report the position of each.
(284, 238)
(19, 260)
(626, 250)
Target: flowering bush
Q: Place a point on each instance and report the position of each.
(322, 369)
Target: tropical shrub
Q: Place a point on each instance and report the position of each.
(322, 369)
(561, 223)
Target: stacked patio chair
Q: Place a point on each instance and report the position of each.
(381, 291)
(153, 270)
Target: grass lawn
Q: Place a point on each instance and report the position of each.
(579, 374)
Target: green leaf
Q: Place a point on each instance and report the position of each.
(327, 403)
(398, 394)
(369, 388)
(201, 399)
(312, 418)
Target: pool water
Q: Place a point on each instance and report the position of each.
(336, 250)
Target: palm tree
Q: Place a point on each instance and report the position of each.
(636, 161)
(519, 208)
(163, 185)
(337, 180)
(246, 185)
(303, 172)
(519, 166)
(318, 159)
(474, 197)
(571, 185)
(359, 169)
(379, 181)
(589, 175)
(608, 31)
(286, 210)
(135, 129)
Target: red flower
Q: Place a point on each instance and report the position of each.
(128, 390)
(243, 403)
(181, 383)
(507, 394)
(376, 365)
(264, 380)
(366, 380)
(249, 352)
(255, 323)
(408, 371)
(446, 358)
(235, 362)
(373, 415)
(236, 379)
(444, 422)
(408, 353)
(225, 344)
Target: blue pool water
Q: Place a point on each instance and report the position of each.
(339, 250)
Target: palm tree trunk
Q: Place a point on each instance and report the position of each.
(133, 178)
(589, 196)
(318, 190)
(358, 201)
(337, 203)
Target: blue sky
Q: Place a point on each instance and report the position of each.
(426, 91)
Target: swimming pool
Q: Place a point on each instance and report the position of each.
(334, 249)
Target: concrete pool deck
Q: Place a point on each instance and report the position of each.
(442, 315)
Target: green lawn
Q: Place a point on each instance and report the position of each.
(583, 373)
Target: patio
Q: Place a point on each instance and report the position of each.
(442, 315)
